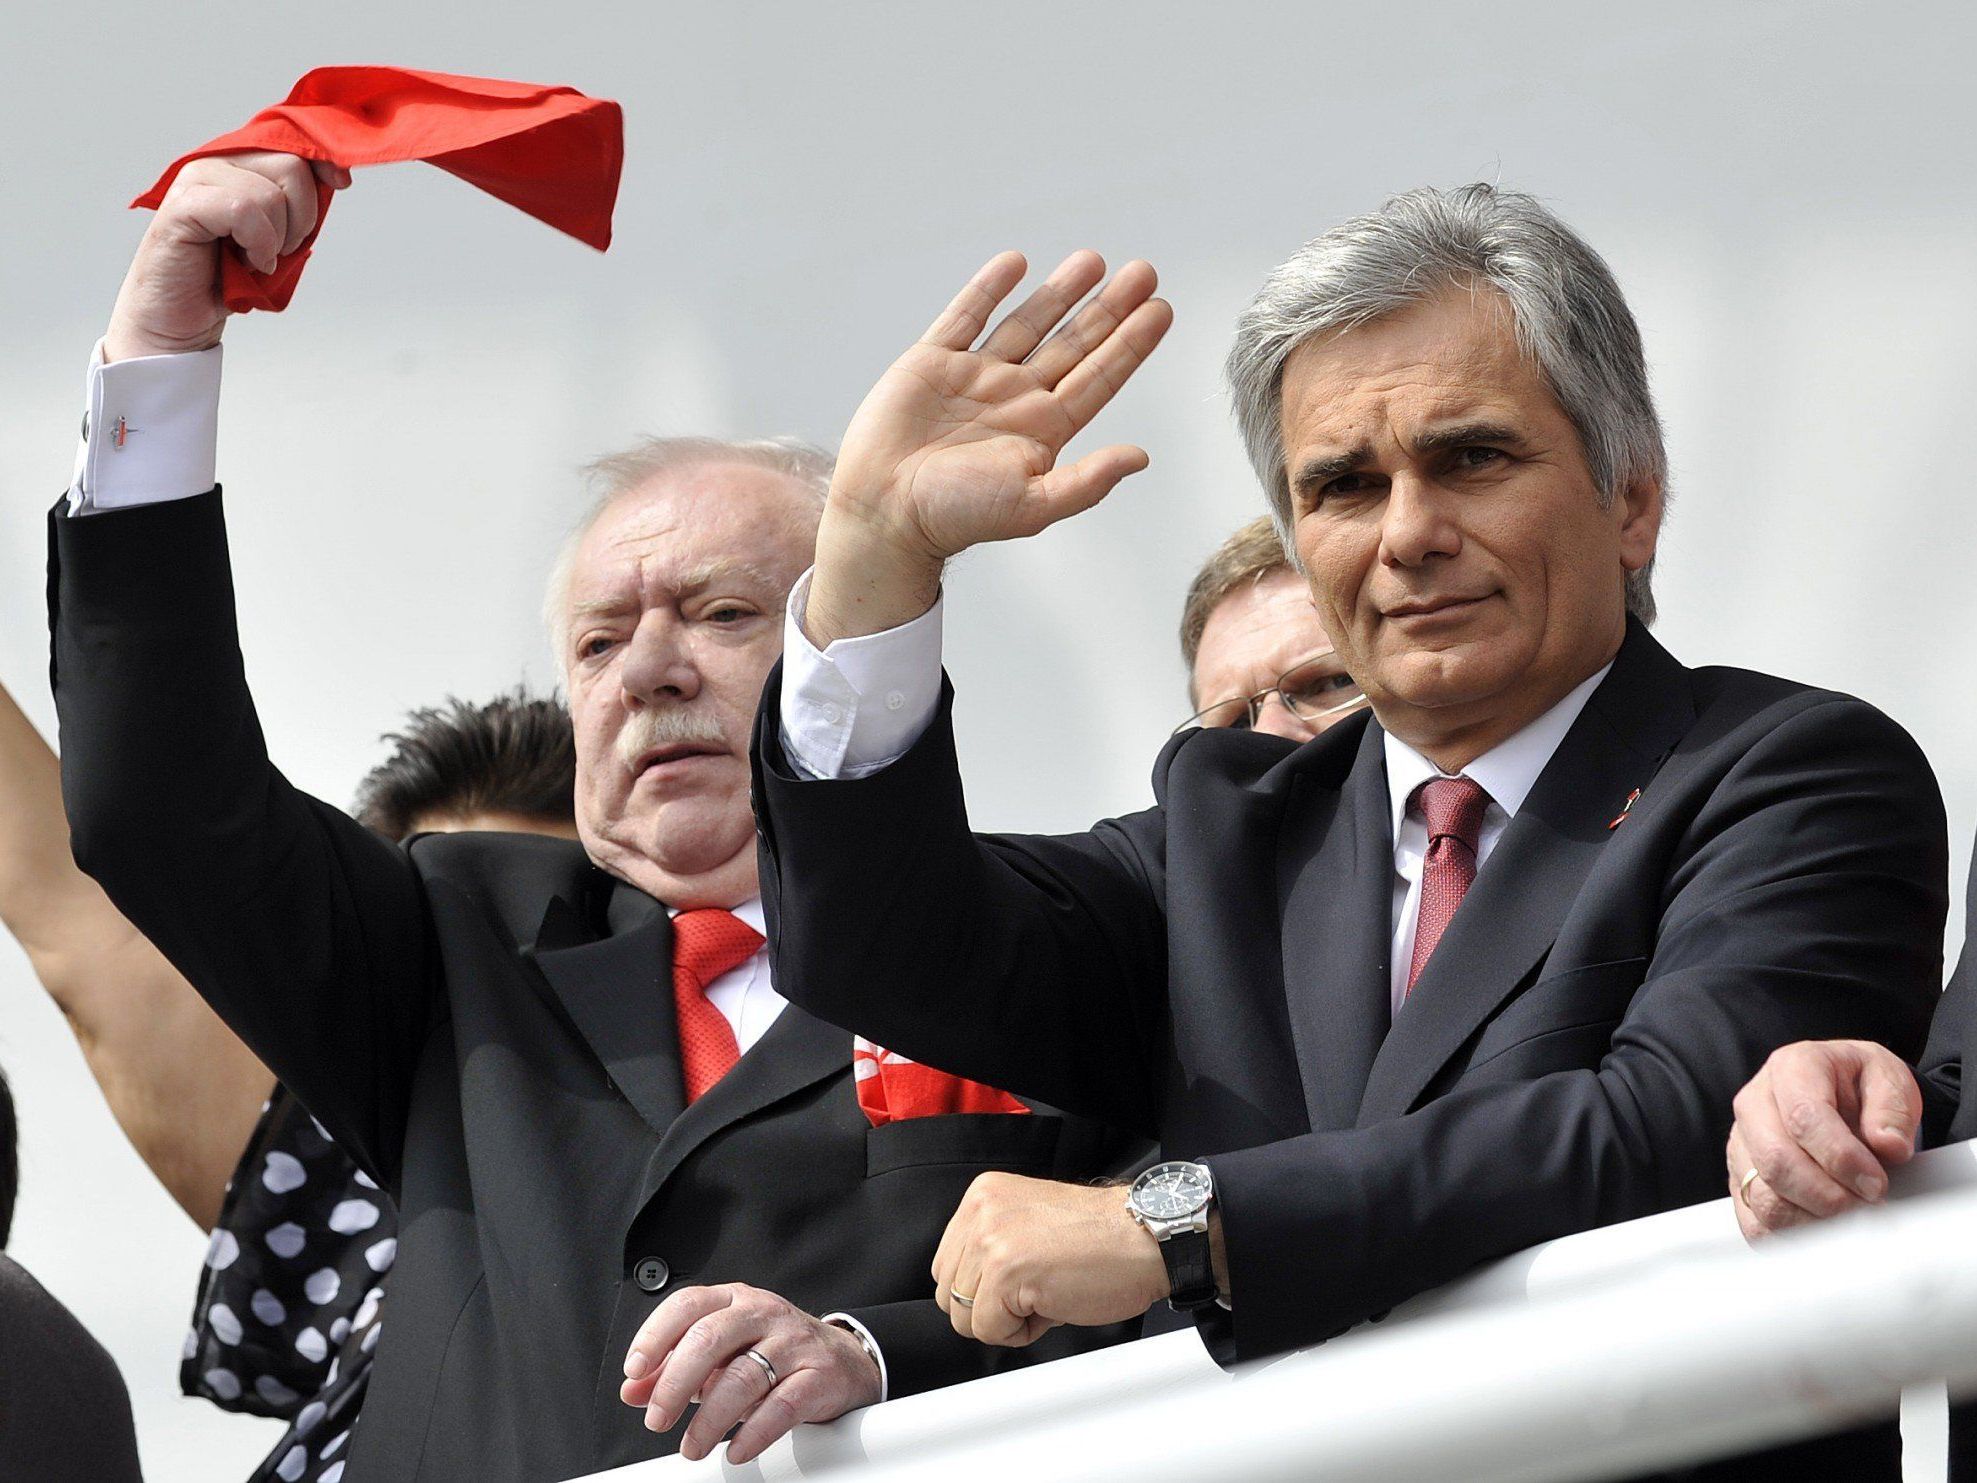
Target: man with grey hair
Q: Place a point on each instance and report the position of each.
(1476, 970)
(567, 1061)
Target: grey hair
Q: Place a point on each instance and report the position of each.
(615, 475)
(1571, 321)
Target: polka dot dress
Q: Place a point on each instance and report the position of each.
(289, 1305)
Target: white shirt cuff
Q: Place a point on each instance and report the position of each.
(150, 430)
(871, 1348)
(856, 707)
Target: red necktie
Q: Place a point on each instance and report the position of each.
(1453, 808)
(706, 944)
(549, 151)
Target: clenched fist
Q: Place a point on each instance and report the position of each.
(262, 203)
(1817, 1129)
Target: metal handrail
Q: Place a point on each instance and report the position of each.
(1639, 1346)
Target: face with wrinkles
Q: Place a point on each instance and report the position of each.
(672, 621)
(1455, 541)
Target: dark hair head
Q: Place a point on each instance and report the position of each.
(513, 755)
(10, 1161)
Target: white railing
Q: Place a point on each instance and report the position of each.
(1642, 1346)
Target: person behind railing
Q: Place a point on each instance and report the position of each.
(290, 1297)
(1256, 654)
(568, 1062)
(64, 1411)
(1821, 1124)
(1478, 970)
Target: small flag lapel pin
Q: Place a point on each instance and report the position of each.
(1625, 809)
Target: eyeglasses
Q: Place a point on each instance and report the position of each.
(1314, 690)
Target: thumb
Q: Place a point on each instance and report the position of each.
(1890, 1106)
(1065, 492)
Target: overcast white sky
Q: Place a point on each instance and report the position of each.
(1785, 191)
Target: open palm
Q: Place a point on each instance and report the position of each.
(958, 443)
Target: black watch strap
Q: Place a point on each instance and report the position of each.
(1190, 1271)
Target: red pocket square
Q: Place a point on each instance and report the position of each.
(892, 1088)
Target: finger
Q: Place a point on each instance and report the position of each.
(965, 1279)
(733, 1391)
(297, 183)
(994, 1318)
(1026, 325)
(662, 1330)
(1089, 328)
(953, 1241)
(1068, 491)
(1890, 1108)
(805, 1396)
(1737, 1163)
(962, 321)
(703, 1350)
(1096, 379)
(334, 176)
(1809, 1092)
(1789, 1179)
(238, 206)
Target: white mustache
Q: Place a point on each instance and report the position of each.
(669, 728)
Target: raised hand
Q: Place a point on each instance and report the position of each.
(1816, 1130)
(263, 203)
(958, 443)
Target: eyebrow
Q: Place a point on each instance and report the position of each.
(1436, 440)
(694, 580)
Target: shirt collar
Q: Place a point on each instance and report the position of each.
(1507, 772)
(749, 911)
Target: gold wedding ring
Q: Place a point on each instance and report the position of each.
(964, 1299)
(1743, 1190)
(768, 1370)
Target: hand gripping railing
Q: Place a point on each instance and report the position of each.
(1641, 1346)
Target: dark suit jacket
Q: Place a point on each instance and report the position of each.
(64, 1412)
(1214, 971)
(485, 1022)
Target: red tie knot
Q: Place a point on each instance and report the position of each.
(1453, 809)
(708, 943)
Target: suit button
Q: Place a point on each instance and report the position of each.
(652, 1274)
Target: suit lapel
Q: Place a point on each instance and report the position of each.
(617, 991)
(798, 1051)
(1521, 896)
(1336, 905)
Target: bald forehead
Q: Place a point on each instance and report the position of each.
(756, 512)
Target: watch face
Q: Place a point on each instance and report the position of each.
(1171, 1191)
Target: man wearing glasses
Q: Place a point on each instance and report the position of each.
(1257, 657)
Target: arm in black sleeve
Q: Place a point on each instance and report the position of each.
(1044, 958)
(305, 931)
(1806, 901)
(1941, 1072)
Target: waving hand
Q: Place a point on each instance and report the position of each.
(959, 441)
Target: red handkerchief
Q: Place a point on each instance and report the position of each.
(892, 1088)
(549, 151)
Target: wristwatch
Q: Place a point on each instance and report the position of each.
(1171, 1202)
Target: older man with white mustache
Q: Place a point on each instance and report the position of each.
(608, 1136)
